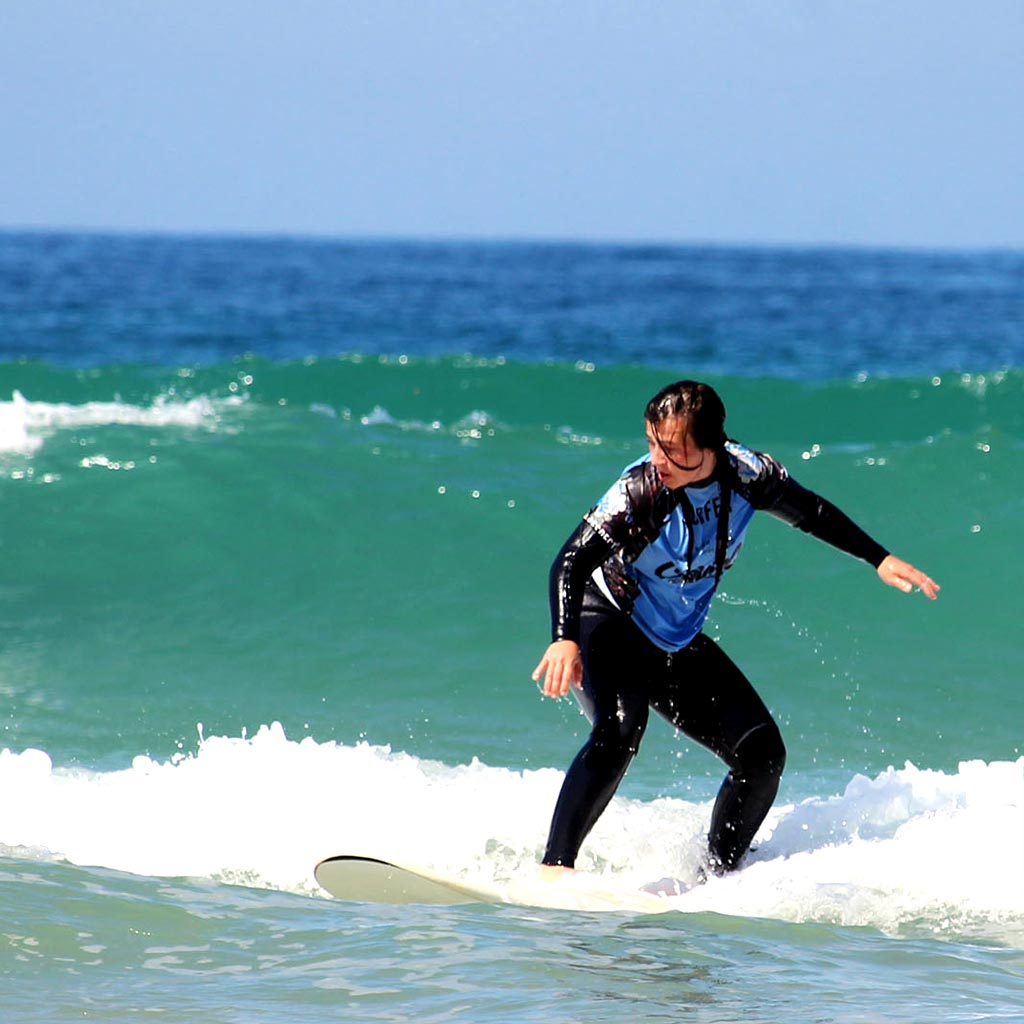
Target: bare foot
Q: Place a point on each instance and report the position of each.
(549, 872)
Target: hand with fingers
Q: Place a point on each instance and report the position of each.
(905, 577)
(561, 667)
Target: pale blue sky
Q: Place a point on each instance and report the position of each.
(892, 122)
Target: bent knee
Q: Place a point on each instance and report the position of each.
(619, 735)
(761, 751)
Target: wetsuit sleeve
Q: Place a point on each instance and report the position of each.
(581, 554)
(817, 516)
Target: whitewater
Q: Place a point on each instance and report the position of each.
(909, 851)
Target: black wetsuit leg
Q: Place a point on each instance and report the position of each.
(615, 699)
(707, 698)
(701, 692)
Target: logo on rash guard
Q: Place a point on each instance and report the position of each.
(671, 572)
(708, 511)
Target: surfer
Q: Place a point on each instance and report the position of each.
(630, 590)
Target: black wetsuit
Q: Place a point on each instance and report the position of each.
(632, 586)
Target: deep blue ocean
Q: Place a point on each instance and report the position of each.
(277, 516)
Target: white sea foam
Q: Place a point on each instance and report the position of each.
(910, 848)
(26, 425)
(473, 426)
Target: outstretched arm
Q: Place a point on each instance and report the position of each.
(815, 515)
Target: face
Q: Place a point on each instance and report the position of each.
(675, 456)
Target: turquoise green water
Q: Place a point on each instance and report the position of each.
(209, 549)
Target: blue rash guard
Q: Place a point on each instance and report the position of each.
(659, 554)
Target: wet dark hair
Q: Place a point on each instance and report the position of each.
(697, 404)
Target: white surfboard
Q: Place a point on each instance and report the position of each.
(372, 880)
